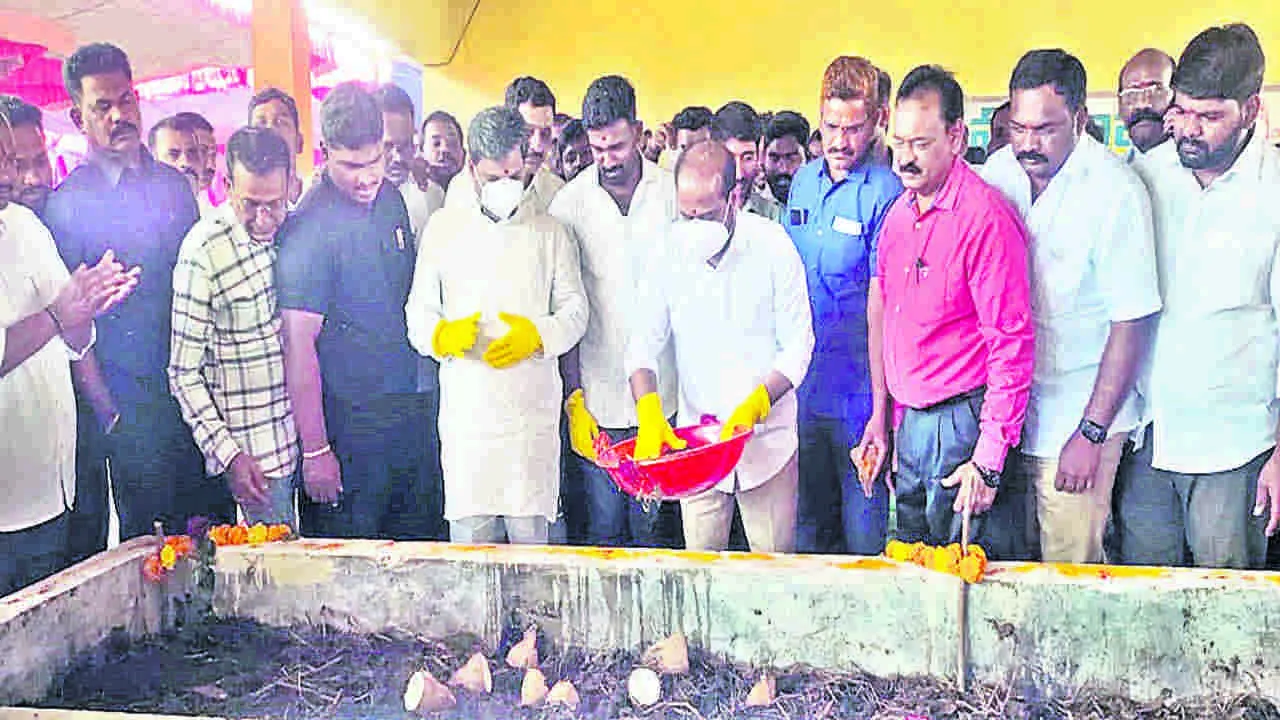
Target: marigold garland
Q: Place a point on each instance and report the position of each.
(221, 535)
(158, 565)
(949, 559)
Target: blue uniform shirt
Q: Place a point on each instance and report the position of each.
(835, 227)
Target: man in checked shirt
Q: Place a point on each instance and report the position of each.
(226, 364)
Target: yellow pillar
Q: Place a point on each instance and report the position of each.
(282, 59)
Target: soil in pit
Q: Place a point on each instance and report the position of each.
(241, 669)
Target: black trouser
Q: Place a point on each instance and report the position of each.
(391, 479)
(31, 555)
(931, 444)
(88, 521)
(157, 472)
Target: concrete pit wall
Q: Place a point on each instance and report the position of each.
(1046, 629)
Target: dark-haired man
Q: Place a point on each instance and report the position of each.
(614, 210)
(1144, 97)
(692, 126)
(31, 153)
(999, 134)
(836, 205)
(398, 154)
(226, 362)
(537, 105)
(573, 151)
(784, 154)
(1204, 488)
(951, 306)
(738, 127)
(173, 142)
(122, 199)
(276, 109)
(343, 275)
(206, 193)
(441, 149)
(1093, 275)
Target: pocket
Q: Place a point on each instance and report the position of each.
(843, 267)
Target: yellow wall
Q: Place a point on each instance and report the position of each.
(772, 54)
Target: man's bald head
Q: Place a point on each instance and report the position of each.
(705, 164)
(1145, 94)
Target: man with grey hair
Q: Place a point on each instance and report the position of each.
(497, 298)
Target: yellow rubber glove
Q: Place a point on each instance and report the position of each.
(456, 337)
(655, 431)
(520, 342)
(752, 410)
(583, 428)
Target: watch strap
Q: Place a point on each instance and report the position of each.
(1093, 432)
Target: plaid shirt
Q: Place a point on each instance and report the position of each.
(226, 363)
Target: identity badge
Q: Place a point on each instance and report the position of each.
(846, 226)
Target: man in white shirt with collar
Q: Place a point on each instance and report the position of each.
(1143, 99)
(533, 99)
(1094, 301)
(399, 149)
(1205, 487)
(614, 209)
(728, 288)
(46, 321)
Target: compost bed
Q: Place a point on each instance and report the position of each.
(238, 668)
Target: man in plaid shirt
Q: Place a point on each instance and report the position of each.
(226, 365)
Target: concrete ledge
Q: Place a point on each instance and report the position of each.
(1048, 629)
(44, 625)
(29, 714)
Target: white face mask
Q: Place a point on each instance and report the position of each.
(502, 197)
(703, 238)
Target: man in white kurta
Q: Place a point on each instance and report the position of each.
(497, 298)
(728, 288)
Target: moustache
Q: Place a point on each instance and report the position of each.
(910, 169)
(1031, 156)
(1144, 114)
(611, 170)
(1193, 146)
(123, 130)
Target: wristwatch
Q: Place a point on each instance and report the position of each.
(1093, 432)
(991, 478)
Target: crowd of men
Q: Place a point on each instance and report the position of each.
(427, 338)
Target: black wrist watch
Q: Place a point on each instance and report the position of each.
(991, 478)
(1093, 432)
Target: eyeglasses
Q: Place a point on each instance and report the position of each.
(1144, 93)
(253, 207)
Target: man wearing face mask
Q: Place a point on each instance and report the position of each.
(226, 362)
(727, 288)
(1204, 489)
(835, 208)
(342, 277)
(614, 210)
(498, 328)
(784, 152)
(1093, 274)
(1144, 97)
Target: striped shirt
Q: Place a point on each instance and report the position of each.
(226, 365)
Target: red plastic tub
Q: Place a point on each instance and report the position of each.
(679, 474)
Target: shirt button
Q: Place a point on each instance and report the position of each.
(917, 226)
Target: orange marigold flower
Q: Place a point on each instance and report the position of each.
(898, 550)
(278, 532)
(921, 554)
(945, 559)
(977, 550)
(972, 568)
(181, 544)
(239, 535)
(152, 569)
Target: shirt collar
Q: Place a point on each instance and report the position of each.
(113, 170)
(950, 191)
(1248, 164)
(858, 174)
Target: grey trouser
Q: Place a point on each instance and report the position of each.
(491, 529)
(932, 443)
(1169, 518)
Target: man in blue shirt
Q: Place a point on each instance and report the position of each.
(343, 276)
(833, 214)
(122, 199)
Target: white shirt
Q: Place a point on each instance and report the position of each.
(420, 204)
(1092, 264)
(613, 247)
(732, 325)
(37, 404)
(1213, 374)
(499, 429)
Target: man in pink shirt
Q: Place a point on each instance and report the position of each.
(950, 309)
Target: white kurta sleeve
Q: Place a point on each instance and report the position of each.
(1275, 306)
(793, 319)
(425, 307)
(566, 324)
(1126, 256)
(650, 316)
